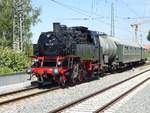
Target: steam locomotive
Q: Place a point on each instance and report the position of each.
(74, 54)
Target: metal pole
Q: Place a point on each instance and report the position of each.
(20, 22)
(14, 45)
(112, 31)
(17, 25)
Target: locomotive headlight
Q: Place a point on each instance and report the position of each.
(29, 71)
(32, 63)
(56, 71)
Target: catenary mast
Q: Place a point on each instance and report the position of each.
(18, 17)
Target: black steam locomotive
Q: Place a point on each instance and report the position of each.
(76, 53)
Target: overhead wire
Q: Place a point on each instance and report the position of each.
(83, 12)
(127, 5)
(131, 18)
(71, 8)
(98, 18)
(78, 10)
(134, 12)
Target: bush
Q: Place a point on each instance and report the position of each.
(5, 70)
(148, 55)
(11, 61)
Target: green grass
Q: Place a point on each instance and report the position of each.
(148, 56)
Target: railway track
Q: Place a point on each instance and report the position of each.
(103, 99)
(17, 91)
(33, 91)
(23, 94)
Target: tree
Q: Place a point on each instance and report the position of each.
(5, 22)
(31, 17)
(13, 61)
(148, 36)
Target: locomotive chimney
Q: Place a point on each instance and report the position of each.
(56, 27)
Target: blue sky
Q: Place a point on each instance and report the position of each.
(98, 14)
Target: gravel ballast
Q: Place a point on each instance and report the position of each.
(138, 102)
(92, 104)
(13, 79)
(14, 87)
(49, 101)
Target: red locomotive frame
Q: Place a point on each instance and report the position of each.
(64, 69)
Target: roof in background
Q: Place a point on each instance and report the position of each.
(147, 46)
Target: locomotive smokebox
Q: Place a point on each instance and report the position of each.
(56, 27)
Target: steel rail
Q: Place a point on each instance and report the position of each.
(73, 103)
(17, 91)
(120, 97)
(24, 96)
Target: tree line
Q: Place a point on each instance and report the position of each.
(12, 61)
